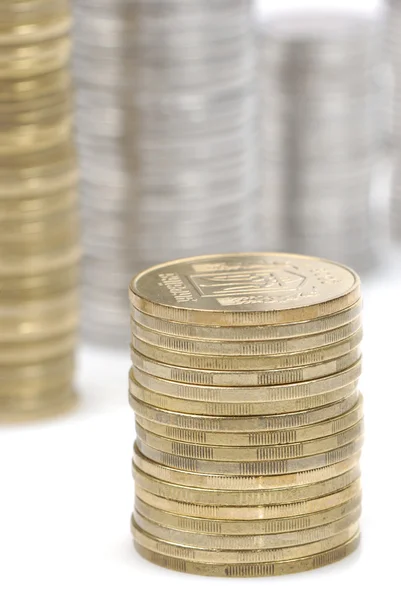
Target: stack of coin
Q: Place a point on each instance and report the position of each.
(319, 141)
(38, 210)
(393, 49)
(165, 94)
(248, 415)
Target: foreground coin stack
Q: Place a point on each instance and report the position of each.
(38, 210)
(165, 94)
(248, 415)
(393, 50)
(320, 143)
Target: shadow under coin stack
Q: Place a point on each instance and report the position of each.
(249, 419)
(38, 210)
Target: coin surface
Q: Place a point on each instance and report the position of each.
(261, 467)
(273, 511)
(251, 570)
(257, 424)
(199, 374)
(247, 556)
(249, 419)
(247, 527)
(255, 393)
(257, 347)
(248, 333)
(243, 482)
(244, 497)
(248, 289)
(254, 437)
(39, 221)
(244, 542)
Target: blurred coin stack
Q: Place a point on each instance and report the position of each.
(393, 50)
(249, 419)
(39, 247)
(166, 137)
(320, 141)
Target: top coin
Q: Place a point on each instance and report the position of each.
(245, 289)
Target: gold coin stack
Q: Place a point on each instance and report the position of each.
(39, 247)
(248, 417)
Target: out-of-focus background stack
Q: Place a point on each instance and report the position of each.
(39, 248)
(320, 140)
(166, 132)
(393, 49)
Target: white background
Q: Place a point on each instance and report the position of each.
(66, 490)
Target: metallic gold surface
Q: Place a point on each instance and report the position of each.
(254, 438)
(39, 223)
(244, 542)
(264, 289)
(250, 333)
(238, 347)
(247, 527)
(199, 375)
(259, 467)
(249, 420)
(241, 482)
(256, 453)
(256, 425)
(262, 393)
(266, 360)
(193, 495)
(273, 511)
(251, 570)
(242, 556)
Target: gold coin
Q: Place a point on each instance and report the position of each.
(34, 59)
(264, 363)
(247, 527)
(262, 393)
(245, 289)
(29, 332)
(254, 453)
(33, 231)
(260, 467)
(253, 333)
(41, 406)
(40, 237)
(18, 273)
(22, 353)
(244, 409)
(32, 88)
(256, 438)
(31, 288)
(30, 138)
(251, 570)
(257, 427)
(194, 495)
(241, 482)
(35, 31)
(243, 556)
(22, 393)
(32, 371)
(274, 511)
(244, 348)
(246, 542)
(41, 184)
(36, 209)
(227, 378)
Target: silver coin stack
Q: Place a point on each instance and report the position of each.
(166, 133)
(319, 146)
(393, 50)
